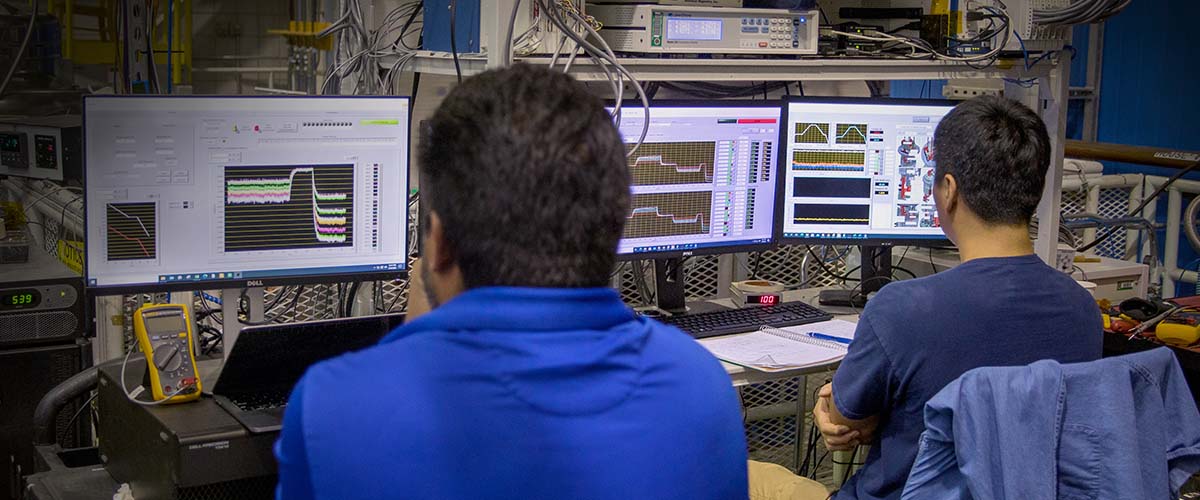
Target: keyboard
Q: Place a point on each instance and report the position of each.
(712, 324)
(265, 400)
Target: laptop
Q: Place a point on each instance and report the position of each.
(267, 361)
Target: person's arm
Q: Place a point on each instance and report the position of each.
(295, 479)
(848, 410)
(841, 433)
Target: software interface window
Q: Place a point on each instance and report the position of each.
(861, 171)
(703, 177)
(200, 189)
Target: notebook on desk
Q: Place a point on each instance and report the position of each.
(781, 349)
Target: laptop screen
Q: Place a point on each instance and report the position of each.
(273, 358)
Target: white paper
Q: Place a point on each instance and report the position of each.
(834, 327)
(768, 352)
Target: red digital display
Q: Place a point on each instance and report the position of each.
(762, 300)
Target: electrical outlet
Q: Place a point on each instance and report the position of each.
(967, 89)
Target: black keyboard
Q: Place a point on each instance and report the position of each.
(712, 324)
(265, 400)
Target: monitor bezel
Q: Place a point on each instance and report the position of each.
(719, 249)
(220, 284)
(781, 201)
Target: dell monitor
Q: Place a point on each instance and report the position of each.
(188, 192)
(861, 172)
(704, 181)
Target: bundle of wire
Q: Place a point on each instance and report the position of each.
(563, 15)
(997, 33)
(1080, 12)
(359, 50)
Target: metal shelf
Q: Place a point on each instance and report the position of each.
(745, 69)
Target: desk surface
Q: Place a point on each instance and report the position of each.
(746, 376)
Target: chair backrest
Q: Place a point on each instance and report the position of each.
(1122, 427)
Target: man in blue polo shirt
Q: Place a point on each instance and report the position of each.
(529, 379)
(1001, 306)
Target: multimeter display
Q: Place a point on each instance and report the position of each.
(12, 300)
(165, 323)
(165, 336)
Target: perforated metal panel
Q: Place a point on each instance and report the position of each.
(1074, 202)
(788, 265)
(46, 325)
(1113, 202)
(773, 438)
(771, 432)
(702, 277)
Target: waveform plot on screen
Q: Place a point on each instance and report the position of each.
(829, 161)
(288, 207)
(131, 231)
(831, 187)
(669, 163)
(669, 214)
(822, 213)
(812, 133)
(851, 133)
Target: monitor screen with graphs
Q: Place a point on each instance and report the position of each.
(205, 192)
(861, 170)
(703, 179)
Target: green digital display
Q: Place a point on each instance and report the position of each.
(19, 299)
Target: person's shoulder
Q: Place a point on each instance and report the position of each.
(908, 298)
(399, 360)
(666, 342)
(1049, 278)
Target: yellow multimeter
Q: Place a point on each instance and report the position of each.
(164, 332)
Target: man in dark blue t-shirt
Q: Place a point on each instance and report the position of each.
(1001, 306)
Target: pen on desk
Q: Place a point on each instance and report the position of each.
(830, 338)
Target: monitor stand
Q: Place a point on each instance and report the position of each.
(669, 284)
(875, 272)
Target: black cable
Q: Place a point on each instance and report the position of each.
(898, 268)
(453, 41)
(272, 319)
(407, 24)
(348, 308)
(757, 262)
(86, 405)
(849, 465)
(931, 264)
(62, 220)
(1146, 201)
(825, 267)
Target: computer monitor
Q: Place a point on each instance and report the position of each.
(704, 182)
(220, 192)
(703, 179)
(860, 171)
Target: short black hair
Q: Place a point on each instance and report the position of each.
(998, 150)
(527, 173)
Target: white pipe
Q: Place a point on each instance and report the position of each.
(1171, 249)
(1150, 213)
(1092, 206)
(1073, 183)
